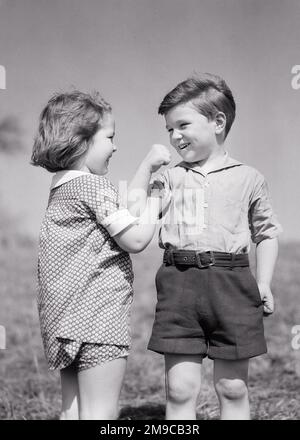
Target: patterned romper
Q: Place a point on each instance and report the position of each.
(84, 278)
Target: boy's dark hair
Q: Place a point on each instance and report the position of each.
(66, 129)
(208, 93)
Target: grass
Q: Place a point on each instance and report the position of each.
(29, 391)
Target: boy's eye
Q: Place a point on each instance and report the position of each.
(170, 130)
(184, 124)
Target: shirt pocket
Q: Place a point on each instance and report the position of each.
(233, 215)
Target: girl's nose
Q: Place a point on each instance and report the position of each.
(114, 148)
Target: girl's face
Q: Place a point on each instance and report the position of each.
(99, 153)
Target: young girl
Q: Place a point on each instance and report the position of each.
(84, 270)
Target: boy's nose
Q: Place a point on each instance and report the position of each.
(176, 135)
(114, 148)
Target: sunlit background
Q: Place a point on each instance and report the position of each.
(133, 52)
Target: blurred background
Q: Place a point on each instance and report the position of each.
(134, 52)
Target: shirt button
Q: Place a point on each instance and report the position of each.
(206, 184)
(204, 226)
(205, 205)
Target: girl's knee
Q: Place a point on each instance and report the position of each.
(231, 389)
(68, 415)
(108, 413)
(183, 390)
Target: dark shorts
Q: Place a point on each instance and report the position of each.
(215, 312)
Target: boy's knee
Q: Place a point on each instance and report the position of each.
(182, 391)
(231, 389)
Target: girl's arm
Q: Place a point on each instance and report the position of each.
(138, 188)
(266, 255)
(136, 237)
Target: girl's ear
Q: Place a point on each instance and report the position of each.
(220, 120)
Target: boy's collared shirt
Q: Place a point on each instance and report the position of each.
(219, 208)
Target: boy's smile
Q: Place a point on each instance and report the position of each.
(183, 146)
(191, 133)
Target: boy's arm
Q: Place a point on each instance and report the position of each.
(137, 192)
(266, 255)
(264, 230)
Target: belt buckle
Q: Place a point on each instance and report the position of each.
(199, 262)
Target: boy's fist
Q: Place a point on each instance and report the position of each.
(267, 298)
(158, 156)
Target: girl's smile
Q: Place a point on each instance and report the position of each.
(97, 159)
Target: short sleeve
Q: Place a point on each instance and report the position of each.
(262, 220)
(161, 182)
(109, 213)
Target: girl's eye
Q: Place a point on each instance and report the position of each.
(170, 130)
(183, 125)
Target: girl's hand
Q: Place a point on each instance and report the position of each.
(267, 298)
(158, 156)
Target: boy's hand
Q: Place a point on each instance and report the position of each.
(267, 298)
(158, 156)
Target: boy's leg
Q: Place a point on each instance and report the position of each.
(99, 390)
(183, 380)
(230, 380)
(70, 394)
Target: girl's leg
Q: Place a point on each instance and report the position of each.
(99, 390)
(70, 394)
(230, 380)
(183, 380)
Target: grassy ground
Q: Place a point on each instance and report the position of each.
(29, 391)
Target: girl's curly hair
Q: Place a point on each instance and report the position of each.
(66, 129)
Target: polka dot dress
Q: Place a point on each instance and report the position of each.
(83, 356)
(84, 278)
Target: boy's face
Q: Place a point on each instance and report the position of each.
(97, 158)
(191, 133)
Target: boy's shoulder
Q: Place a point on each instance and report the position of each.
(182, 167)
(252, 173)
(236, 166)
(239, 171)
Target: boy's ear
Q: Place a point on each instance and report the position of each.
(220, 120)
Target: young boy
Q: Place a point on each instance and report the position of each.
(209, 304)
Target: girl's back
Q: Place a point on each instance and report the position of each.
(85, 278)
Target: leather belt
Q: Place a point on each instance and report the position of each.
(205, 259)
